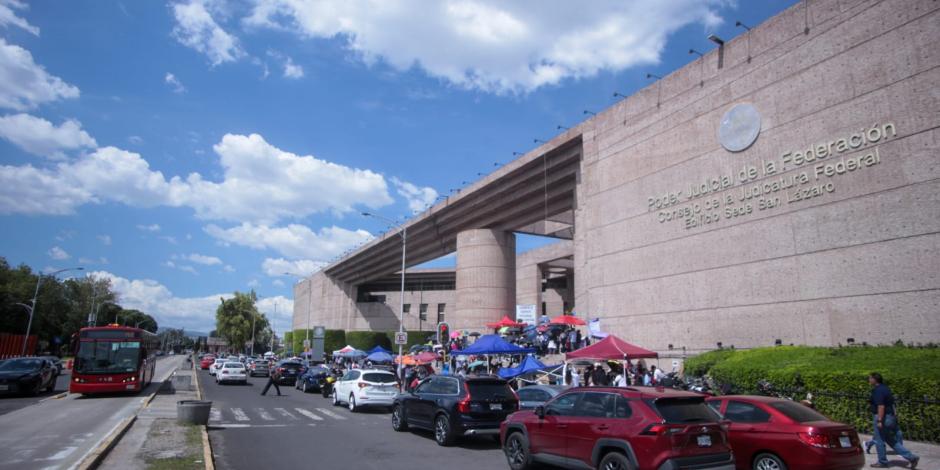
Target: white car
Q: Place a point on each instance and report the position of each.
(368, 387)
(214, 368)
(232, 372)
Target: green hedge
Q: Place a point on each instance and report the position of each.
(838, 379)
(333, 340)
(366, 340)
(288, 338)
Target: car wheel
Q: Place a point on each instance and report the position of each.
(37, 389)
(615, 461)
(335, 399)
(442, 434)
(325, 391)
(517, 451)
(768, 462)
(352, 403)
(398, 419)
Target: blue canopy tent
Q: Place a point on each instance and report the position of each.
(378, 348)
(493, 344)
(379, 356)
(529, 364)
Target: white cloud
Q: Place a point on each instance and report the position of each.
(281, 267)
(169, 239)
(278, 309)
(104, 239)
(195, 28)
(149, 228)
(292, 70)
(203, 259)
(86, 261)
(418, 198)
(135, 139)
(228, 268)
(174, 82)
(25, 84)
(493, 45)
(277, 283)
(8, 16)
(182, 267)
(293, 186)
(293, 240)
(40, 137)
(57, 253)
(253, 283)
(153, 298)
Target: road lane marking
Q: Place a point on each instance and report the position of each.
(285, 413)
(308, 414)
(330, 413)
(60, 454)
(239, 414)
(242, 426)
(265, 415)
(215, 414)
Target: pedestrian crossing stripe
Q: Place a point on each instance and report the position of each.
(285, 413)
(265, 415)
(215, 414)
(308, 414)
(239, 414)
(330, 413)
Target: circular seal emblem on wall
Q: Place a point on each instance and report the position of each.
(739, 127)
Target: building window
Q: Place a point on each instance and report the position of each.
(423, 312)
(406, 309)
(440, 312)
(544, 309)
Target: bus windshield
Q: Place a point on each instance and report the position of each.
(107, 357)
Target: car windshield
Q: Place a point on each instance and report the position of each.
(107, 357)
(490, 390)
(797, 412)
(378, 377)
(291, 365)
(20, 364)
(685, 410)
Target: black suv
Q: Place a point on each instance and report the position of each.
(453, 406)
(286, 372)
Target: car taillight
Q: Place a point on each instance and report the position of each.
(463, 406)
(225, 372)
(363, 385)
(662, 430)
(815, 440)
(280, 369)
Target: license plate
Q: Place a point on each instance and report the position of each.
(844, 441)
(496, 406)
(705, 441)
(4, 388)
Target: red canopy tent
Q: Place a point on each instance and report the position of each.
(504, 322)
(567, 320)
(611, 348)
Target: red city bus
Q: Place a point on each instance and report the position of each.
(113, 358)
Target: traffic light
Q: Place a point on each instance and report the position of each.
(443, 332)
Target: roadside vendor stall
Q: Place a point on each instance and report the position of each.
(610, 348)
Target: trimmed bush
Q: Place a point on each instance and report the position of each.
(288, 339)
(333, 340)
(838, 378)
(298, 341)
(366, 340)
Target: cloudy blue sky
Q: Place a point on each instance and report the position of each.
(194, 148)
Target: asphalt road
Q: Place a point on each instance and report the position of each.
(58, 433)
(298, 430)
(10, 403)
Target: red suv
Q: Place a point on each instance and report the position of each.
(206, 361)
(636, 428)
(769, 433)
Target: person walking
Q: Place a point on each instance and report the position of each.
(272, 380)
(885, 420)
(599, 376)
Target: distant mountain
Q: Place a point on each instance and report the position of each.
(189, 333)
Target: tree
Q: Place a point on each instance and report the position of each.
(234, 318)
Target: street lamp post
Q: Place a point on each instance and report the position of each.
(32, 309)
(403, 233)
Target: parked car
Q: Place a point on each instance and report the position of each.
(535, 395)
(55, 362)
(206, 361)
(286, 372)
(232, 372)
(29, 375)
(638, 428)
(259, 367)
(216, 365)
(454, 406)
(312, 379)
(360, 388)
(774, 433)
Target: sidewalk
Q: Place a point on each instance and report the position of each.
(929, 455)
(156, 440)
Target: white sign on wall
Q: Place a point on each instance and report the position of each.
(526, 314)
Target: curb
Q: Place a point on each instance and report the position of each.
(55, 397)
(94, 458)
(207, 456)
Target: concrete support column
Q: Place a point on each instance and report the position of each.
(486, 278)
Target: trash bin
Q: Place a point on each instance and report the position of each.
(193, 411)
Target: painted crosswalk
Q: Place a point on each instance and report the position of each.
(254, 417)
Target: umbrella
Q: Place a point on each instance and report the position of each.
(567, 320)
(476, 364)
(474, 334)
(425, 357)
(455, 334)
(506, 321)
